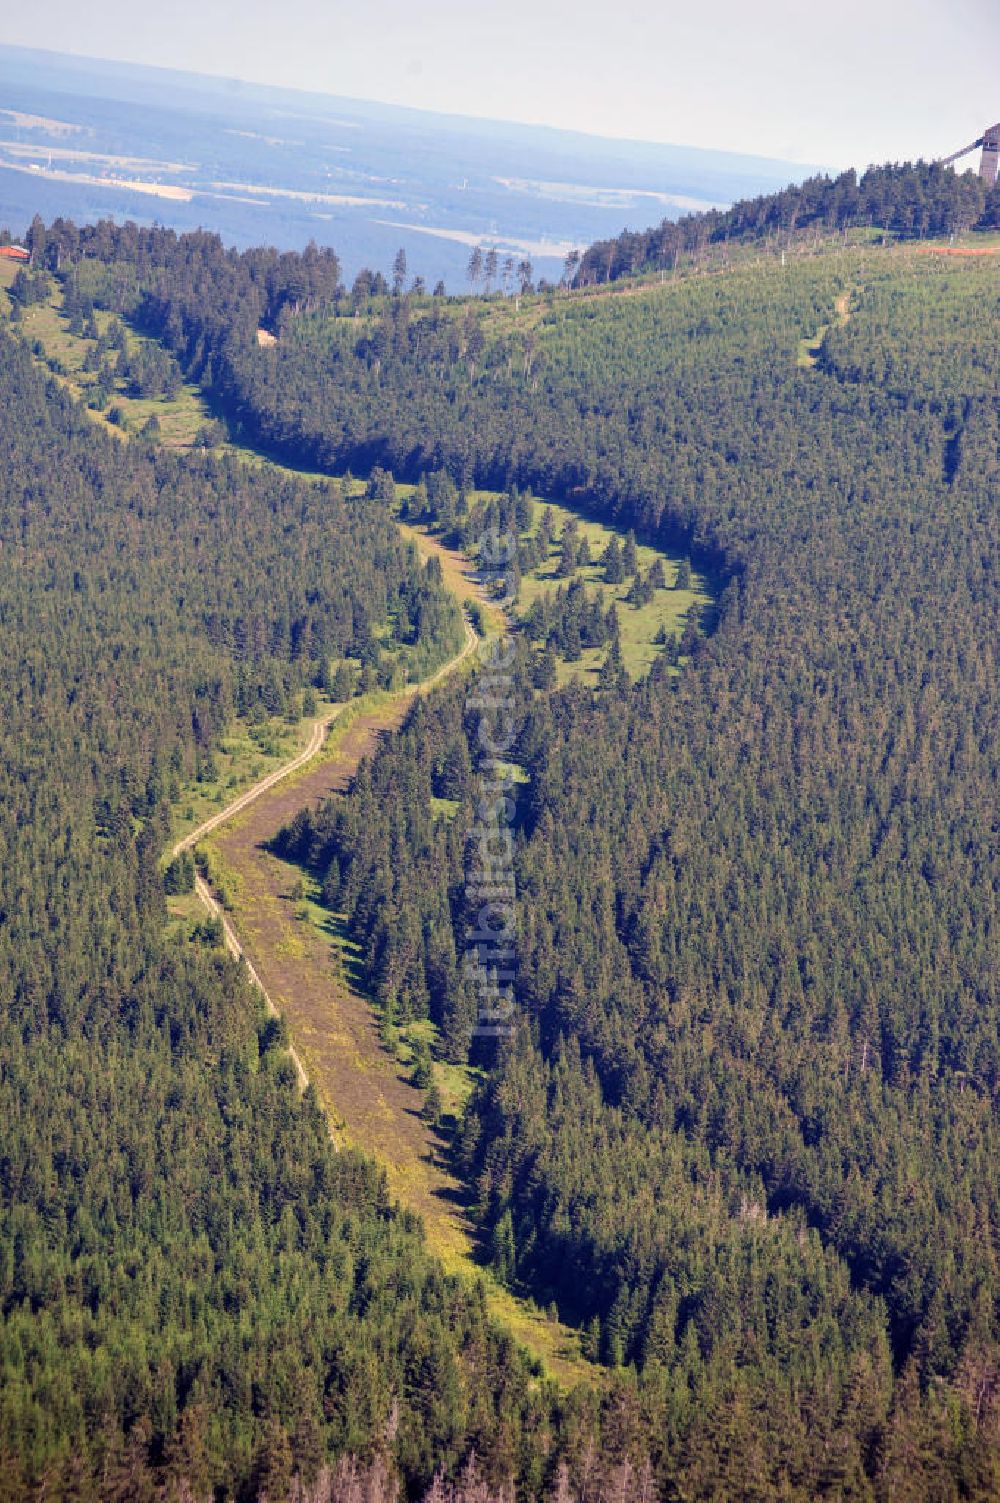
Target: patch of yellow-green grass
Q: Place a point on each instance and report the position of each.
(809, 348)
(8, 271)
(640, 626)
(454, 1082)
(291, 945)
(414, 1181)
(246, 754)
(260, 459)
(180, 417)
(185, 905)
(43, 322)
(556, 1345)
(456, 571)
(513, 771)
(305, 895)
(225, 881)
(184, 911)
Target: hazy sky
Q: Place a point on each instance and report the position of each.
(830, 81)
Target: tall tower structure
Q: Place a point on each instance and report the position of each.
(989, 162)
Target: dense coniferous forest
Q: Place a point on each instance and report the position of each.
(196, 1292)
(746, 1133)
(908, 200)
(757, 960)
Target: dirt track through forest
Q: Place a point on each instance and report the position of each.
(378, 720)
(303, 972)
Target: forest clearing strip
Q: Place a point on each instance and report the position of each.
(235, 949)
(278, 775)
(244, 800)
(810, 346)
(312, 749)
(298, 968)
(367, 1097)
(366, 1094)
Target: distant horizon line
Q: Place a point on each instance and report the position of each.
(234, 81)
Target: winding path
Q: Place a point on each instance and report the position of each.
(319, 734)
(316, 740)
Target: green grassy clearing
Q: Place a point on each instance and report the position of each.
(185, 913)
(8, 271)
(406, 1041)
(809, 349)
(640, 625)
(247, 753)
(180, 417)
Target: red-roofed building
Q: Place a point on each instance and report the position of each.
(15, 253)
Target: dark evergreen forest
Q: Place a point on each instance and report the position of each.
(745, 1135)
(755, 1090)
(196, 1292)
(906, 200)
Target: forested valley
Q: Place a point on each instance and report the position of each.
(745, 1135)
(198, 1294)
